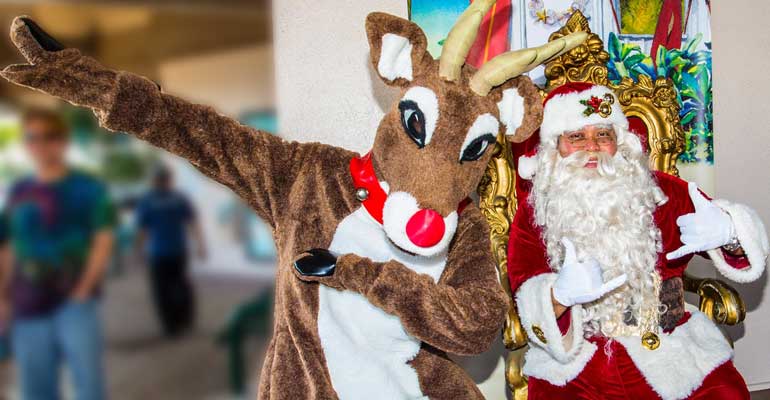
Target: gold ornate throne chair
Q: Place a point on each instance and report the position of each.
(652, 109)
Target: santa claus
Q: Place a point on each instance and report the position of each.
(597, 251)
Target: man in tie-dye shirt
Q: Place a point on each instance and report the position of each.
(57, 226)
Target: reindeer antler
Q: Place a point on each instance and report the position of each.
(514, 63)
(460, 39)
(503, 67)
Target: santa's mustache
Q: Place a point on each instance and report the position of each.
(576, 163)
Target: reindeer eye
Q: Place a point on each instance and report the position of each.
(413, 121)
(477, 147)
(480, 135)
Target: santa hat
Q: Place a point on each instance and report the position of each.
(571, 107)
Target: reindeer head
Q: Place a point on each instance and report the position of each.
(433, 146)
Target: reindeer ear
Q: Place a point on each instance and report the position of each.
(398, 48)
(520, 106)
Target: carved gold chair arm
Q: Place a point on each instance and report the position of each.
(517, 381)
(718, 300)
(497, 201)
(514, 336)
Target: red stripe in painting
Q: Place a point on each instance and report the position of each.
(493, 37)
(668, 33)
(615, 16)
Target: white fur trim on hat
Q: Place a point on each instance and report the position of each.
(564, 113)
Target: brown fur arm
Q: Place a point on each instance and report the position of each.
(256, 165)
(460, 314)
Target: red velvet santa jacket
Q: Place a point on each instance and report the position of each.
(691, 346)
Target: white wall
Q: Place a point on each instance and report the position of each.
(326, 89)
(742, 152)
(326, 93)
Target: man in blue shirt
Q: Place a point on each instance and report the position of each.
(56, 239)
(164, 219)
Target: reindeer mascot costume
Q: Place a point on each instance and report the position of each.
(384, 267)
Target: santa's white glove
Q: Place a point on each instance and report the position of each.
(581, 282)
(708, 228)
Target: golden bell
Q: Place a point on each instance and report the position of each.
(650, 340)
(605, 110)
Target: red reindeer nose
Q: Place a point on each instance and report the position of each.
(425, 228)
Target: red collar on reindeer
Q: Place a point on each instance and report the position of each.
(369, 191)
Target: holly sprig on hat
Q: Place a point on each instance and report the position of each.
(596, 105)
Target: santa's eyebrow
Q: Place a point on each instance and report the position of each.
(604, 126)
(598, 127)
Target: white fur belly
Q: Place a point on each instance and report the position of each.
(366, 349)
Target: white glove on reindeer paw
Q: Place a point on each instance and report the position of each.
(581, 282)
(709, 227)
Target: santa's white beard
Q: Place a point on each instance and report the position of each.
(607, 212)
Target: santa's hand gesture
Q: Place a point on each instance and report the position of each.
(709, 227)
(581, 282)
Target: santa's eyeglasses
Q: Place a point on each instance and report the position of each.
(580, 139)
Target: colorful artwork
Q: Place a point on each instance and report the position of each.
(637, 45)
(640, 17)
(552, 17)
(436, 18)
(690, 69)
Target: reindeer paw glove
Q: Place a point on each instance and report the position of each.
(316, 263)
(64, 73)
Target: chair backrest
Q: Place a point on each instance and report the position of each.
(651, 106)
(653, 112)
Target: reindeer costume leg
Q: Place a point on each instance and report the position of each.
(391, 269)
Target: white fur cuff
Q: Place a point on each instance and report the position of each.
(533, 300)
(753, 238)
(539, 364)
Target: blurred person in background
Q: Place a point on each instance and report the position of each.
(57, 227)
(5, 351)
(165, 218)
